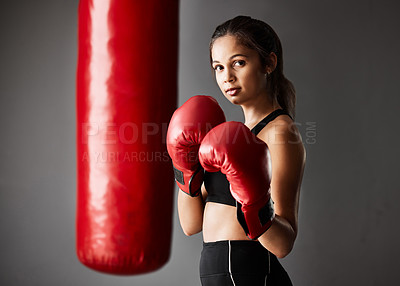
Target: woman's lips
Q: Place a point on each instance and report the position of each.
(232, 91)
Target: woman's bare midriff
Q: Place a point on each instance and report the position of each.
(220, 223)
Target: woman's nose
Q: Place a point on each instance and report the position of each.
(229, 76)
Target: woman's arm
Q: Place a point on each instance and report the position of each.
(190, 210)
(287, 161)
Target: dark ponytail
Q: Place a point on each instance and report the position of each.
(259, 36)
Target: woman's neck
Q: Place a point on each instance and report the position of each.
(256, 111)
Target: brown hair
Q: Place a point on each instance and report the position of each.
(259, 36)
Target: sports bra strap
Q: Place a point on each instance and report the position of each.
(274, 114)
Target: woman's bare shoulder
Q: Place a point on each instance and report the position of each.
(282, 130)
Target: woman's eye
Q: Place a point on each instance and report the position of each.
(239, 63)
(218, 68)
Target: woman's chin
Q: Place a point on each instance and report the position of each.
(236, 100)
(233, 99)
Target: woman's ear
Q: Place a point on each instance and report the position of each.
(271, 63)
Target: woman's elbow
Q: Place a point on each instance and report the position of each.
(280, 247)
(285, 248)
(190, 232)
(282, 252)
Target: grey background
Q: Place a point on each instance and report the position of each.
(342, 56)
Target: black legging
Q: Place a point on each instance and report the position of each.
(240, 263)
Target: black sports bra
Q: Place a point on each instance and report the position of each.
(216, 183)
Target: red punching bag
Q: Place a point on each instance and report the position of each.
(126, 94)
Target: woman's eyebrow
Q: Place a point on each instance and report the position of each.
(234, 56)
(238, 55)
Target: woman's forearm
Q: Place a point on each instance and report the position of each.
(279, 238)
(190, 210)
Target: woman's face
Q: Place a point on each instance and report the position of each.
(238, 71)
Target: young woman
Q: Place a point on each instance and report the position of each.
(246, 56)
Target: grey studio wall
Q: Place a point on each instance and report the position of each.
(343, 59)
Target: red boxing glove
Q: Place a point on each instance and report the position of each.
(187, 128)
(232, 149)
